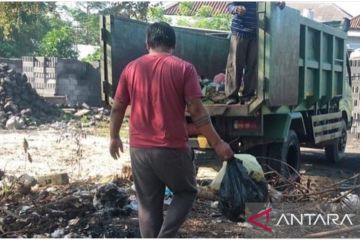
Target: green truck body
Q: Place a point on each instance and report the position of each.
(301, 80)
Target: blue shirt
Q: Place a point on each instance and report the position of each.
(244, 25)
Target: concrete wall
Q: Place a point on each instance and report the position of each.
(75, 81)
(79, 82)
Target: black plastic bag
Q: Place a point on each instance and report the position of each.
(236, 189)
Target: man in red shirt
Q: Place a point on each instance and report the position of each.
(159, 86)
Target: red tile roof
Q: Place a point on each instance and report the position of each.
(355, 23)
(218, 8)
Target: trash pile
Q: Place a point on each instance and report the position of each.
(213, 90)
(20, 105)
(76, 210)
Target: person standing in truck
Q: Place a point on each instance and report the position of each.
(159, 86)
(243, 51)
(242, 58)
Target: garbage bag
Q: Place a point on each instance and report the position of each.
(237, 189)
(252, 166)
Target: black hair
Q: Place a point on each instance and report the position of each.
(161, 34)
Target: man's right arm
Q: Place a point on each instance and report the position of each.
(202, 122)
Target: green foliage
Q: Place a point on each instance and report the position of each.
(22, 26)
(156, 13)
(92, 57)
(204, 11)
(134, 10)
(184, 22)
(31, 28)
(59, 43)
(86, 16)
(185, 8)
(218, 22)
(7, 49)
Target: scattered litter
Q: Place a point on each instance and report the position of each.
(74, 221)
(349, 203)
(110, 196)
(275, 196)
(54, 179)
(215, 204)
(244, 225)
(58, 233)
(24, 209)
(82, 112)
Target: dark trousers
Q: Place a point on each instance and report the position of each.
(242, 58)
(153, 170)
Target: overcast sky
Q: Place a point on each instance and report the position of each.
(351, 7)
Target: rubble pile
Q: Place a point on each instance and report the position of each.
(20, 105)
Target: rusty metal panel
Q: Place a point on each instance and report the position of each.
(282, 58)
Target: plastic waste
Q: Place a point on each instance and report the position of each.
(237, 189)
(252, 166)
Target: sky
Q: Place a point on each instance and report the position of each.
(351, 7)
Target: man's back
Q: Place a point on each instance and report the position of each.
(156, 86)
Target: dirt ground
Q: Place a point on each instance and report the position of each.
(84, 156)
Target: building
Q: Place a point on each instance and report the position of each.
(355, 72)
(354, 33)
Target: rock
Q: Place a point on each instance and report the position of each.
(17, 96)
(82, 112)
(84, 105)
(98, 117)
(15, 123)
(3, 67)
(54, 179)
(27, 180)
(26, 112)
(110, 196)
(3, 116)
(10, 106)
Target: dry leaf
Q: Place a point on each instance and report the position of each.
(29, 157)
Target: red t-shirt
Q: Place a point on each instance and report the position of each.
(156, 86)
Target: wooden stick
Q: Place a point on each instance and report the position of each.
(332, 232)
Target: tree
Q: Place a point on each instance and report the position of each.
(86, 16)
(23, 25)
(185, 8)
(204, 11)
(134, 10)
(58, 43)
(157, 13)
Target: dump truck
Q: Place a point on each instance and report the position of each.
(300, 85)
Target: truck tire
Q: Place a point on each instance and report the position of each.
(335, 151)
(288, 151)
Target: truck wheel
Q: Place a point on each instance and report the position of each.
(335, 151)
(288, 152)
